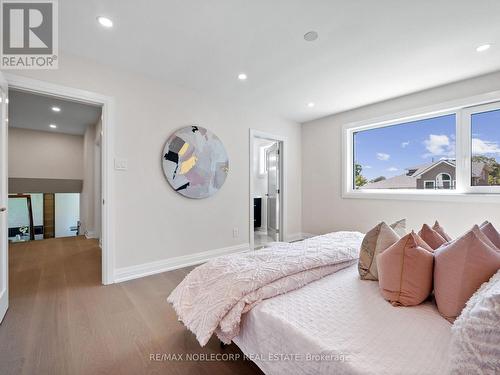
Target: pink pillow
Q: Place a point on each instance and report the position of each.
(489, 230)
(431, 237)
(405, 271)
(461, 266)
(438, 228)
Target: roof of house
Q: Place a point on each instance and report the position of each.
(409, 181)
(396, 182)
(477, 168)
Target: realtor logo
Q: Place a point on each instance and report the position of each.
(29, 34)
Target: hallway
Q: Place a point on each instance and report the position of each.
(61, 319)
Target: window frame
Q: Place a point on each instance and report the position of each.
(467, 125)
(463, 110)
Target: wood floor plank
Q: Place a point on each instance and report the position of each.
(61, 320)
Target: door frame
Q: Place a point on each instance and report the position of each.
(4, 245)
(107, 152)
(282, 140)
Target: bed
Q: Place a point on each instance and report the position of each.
(342, 325)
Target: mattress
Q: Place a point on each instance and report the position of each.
(342, 325)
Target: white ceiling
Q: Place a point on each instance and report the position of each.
(34, 111)
(367, 50)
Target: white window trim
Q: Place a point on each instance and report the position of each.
(449, 180)
(463, 190)
(433, 184)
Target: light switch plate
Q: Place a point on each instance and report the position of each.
(121, 164)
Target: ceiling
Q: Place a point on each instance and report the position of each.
(367, 50)
(34, 111)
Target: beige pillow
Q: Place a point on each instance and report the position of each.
(376, 240)
(433, 238)
(461, 266)
(405, 271)
(438, 228)
(399, 227)
(489, 230)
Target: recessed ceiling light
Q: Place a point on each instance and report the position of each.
(242, 77)
(105, 21)
(310, 104)
(311, 36)
(483, 47)
(52, 126)
(56, 109)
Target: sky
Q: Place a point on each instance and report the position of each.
(388, 151)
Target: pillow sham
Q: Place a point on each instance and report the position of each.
(438, 228)
(475, 335)
(431, 237)
(375, 241)
(489, 230)
(405, 271)
(461, 266)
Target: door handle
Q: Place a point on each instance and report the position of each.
(3, 209)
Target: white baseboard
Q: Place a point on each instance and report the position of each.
(90, 234)
(164, 265)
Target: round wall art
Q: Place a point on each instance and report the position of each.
(195, 162)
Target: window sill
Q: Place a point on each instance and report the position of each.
(431, 196)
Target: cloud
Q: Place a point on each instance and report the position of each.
(367, 166)
(405, 144)
(439, 145)
(382, 156)
(392, 169)
(482, 147)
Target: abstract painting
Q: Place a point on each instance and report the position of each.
(195, 162)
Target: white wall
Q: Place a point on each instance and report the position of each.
(324, 210)
(152, 221)
(38, 154)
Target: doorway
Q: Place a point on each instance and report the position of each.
(102, 199)
(266, 189)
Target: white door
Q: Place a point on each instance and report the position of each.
(4, 257)
(273, 191)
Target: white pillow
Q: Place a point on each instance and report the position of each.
(475, 338)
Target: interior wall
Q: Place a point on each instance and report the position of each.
(39, 154)
(324, 209)
(153, 222)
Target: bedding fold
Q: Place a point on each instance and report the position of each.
(213, 297)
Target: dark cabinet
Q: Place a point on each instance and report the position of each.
(257, 212)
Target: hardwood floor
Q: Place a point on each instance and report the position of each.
(61, 319)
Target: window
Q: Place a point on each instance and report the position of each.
(485, 142)
(406, 155)
(453, 151)
(443, 181)
(429, 184)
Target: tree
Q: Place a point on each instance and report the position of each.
(491, 166)
(359, 179)
(379, 178)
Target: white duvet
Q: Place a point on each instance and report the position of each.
(342, 325)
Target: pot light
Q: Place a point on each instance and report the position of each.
(310, 36)
(56, 109)
(105, 21)
(310, 104)
(242, 77)
(483, 47)
(53, 126)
